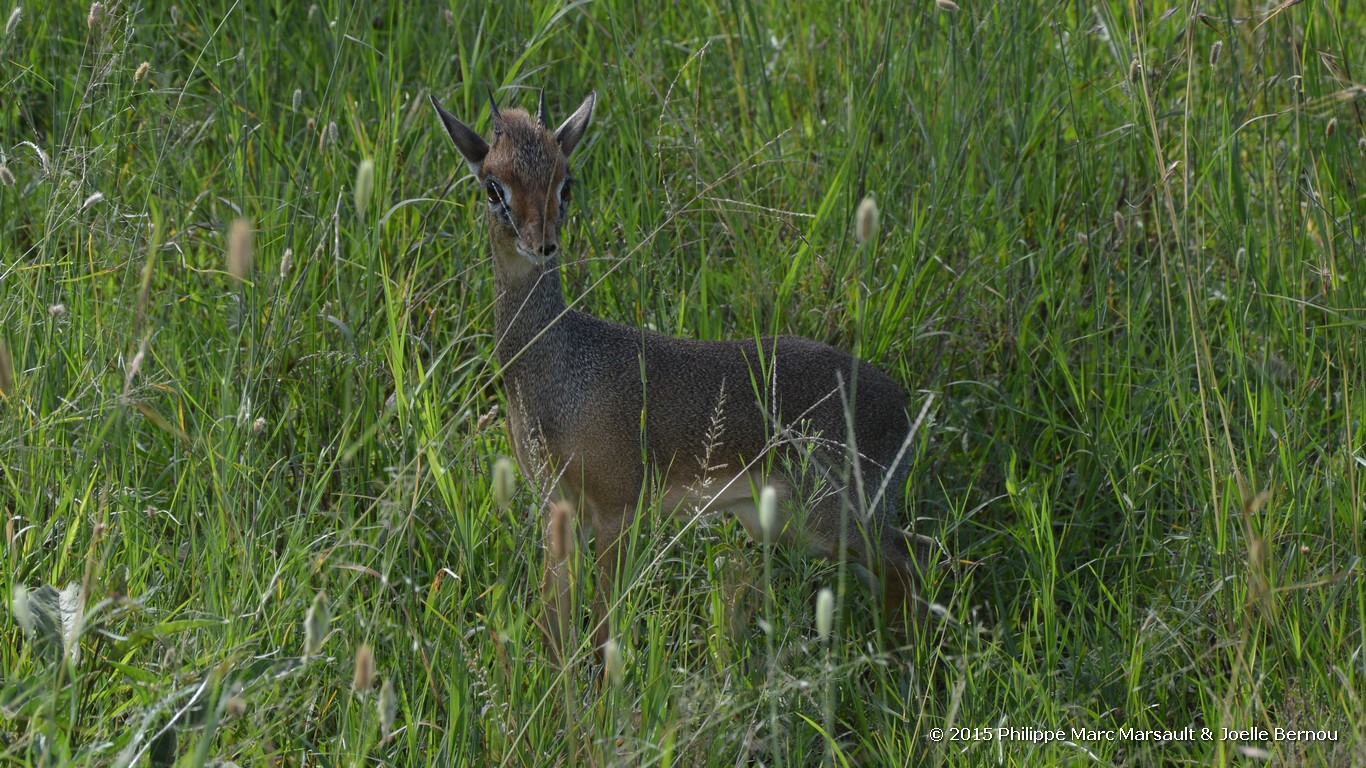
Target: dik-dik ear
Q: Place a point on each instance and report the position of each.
(569, 133)
(471, 145)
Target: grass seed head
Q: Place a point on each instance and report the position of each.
(388, 708)
(296, 100)
(1135, 71)
(20, 608)
(284, 262)
(144, 69)
(1332, 126)
(504, 482)
(365, 185)
(768, 512)
(56, 310)
(135, 364)
(613, 665)
(867, 221)
(42, 157)
(364, 675)
(258, 426)
(947, 5)
(89, 201)
(561, 530)
(825, 613)
(239, 249)
(6, 370)
(14, 17)
(6, 177)
(95, 17)
(1214, 51)
(317, 622)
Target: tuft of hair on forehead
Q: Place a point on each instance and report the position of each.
(518, 136)
(521, 128)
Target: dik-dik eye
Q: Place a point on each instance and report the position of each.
(495, 192)
(564, 196)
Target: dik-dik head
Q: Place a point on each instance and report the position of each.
(524, 173)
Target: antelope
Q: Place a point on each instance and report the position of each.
(612, 414)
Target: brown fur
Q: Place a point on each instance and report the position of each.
(721, 418)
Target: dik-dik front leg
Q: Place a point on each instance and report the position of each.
(557, 584)
(610, 524)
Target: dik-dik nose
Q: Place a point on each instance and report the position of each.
(549, 249)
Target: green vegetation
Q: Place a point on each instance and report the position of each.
(1121, 257)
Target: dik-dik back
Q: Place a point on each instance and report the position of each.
(608, 411)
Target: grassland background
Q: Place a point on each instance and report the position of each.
(1121, 257)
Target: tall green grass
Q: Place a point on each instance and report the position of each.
(1121, 249)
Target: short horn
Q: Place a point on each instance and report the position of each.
(493, 111)
(540, 113)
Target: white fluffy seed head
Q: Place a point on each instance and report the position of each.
(239, 249)
(14, 17)
(947, 5)
(296, 100)
(613, 665)
(388, 708)
(144, 69)
(364, 674)
(504, 482)
(6, 177)
(1214, 51)
(19, 606)
(825, 613)
(365, 185)
(317, 623)
(867, 221)
(768, 512)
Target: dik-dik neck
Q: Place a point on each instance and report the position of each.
(528, 315)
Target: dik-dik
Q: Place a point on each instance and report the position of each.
(721, 419)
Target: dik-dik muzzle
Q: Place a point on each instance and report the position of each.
(524, 173)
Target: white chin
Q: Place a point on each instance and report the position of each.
(532, 256)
